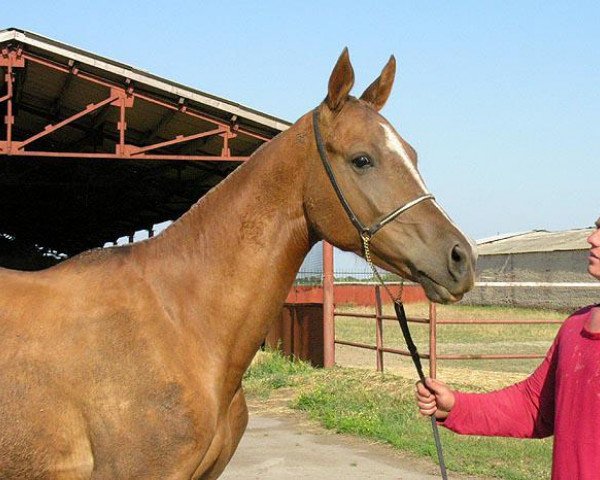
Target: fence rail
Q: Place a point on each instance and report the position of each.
(433, 322)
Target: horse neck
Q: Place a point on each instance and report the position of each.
(237, 251)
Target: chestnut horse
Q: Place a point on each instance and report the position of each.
(127, 362)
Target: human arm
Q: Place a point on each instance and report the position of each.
(524, 410)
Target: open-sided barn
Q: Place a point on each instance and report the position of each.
(92, 150)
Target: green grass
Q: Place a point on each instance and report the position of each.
(272, 372)
(381, 407)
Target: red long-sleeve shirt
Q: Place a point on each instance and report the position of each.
(562, 397)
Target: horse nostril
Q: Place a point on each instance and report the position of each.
(458, 263)
(457, 254)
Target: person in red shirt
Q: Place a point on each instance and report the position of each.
(561, 398)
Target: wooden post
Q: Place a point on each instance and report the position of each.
(432, 340)
(328, 306)
(378, 328)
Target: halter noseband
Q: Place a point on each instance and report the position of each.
(363, 230)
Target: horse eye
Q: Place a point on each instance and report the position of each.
(362, 161)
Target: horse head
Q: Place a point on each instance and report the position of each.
(376, 174)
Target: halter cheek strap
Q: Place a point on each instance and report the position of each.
(365, 234)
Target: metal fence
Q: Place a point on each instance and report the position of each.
(311, 270)
(432, 321)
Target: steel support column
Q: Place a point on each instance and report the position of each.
(379, 328)
(9, 59)
(328, 307)
(9, 119)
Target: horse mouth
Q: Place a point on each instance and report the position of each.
(436, 292)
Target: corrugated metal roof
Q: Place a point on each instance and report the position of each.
(500, 236)
(535, 241)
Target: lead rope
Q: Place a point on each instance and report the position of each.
(412, 348)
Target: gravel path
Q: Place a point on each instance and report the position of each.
(284, 447)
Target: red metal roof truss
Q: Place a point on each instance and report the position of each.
(121, 97)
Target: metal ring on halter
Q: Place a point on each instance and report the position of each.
(366, 239)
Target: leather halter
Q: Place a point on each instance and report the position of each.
(363, 230)
(366, 233)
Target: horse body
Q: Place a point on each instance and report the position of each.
(127, 362)
(119, 364)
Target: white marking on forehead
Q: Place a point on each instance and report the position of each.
(393, 142)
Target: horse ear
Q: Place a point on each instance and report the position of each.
(340, 82)
(378, 92)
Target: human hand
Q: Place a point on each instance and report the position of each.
(435, 399)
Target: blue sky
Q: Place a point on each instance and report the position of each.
(500, 99)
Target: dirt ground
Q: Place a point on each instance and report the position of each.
(402, 366)
(283, 446)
